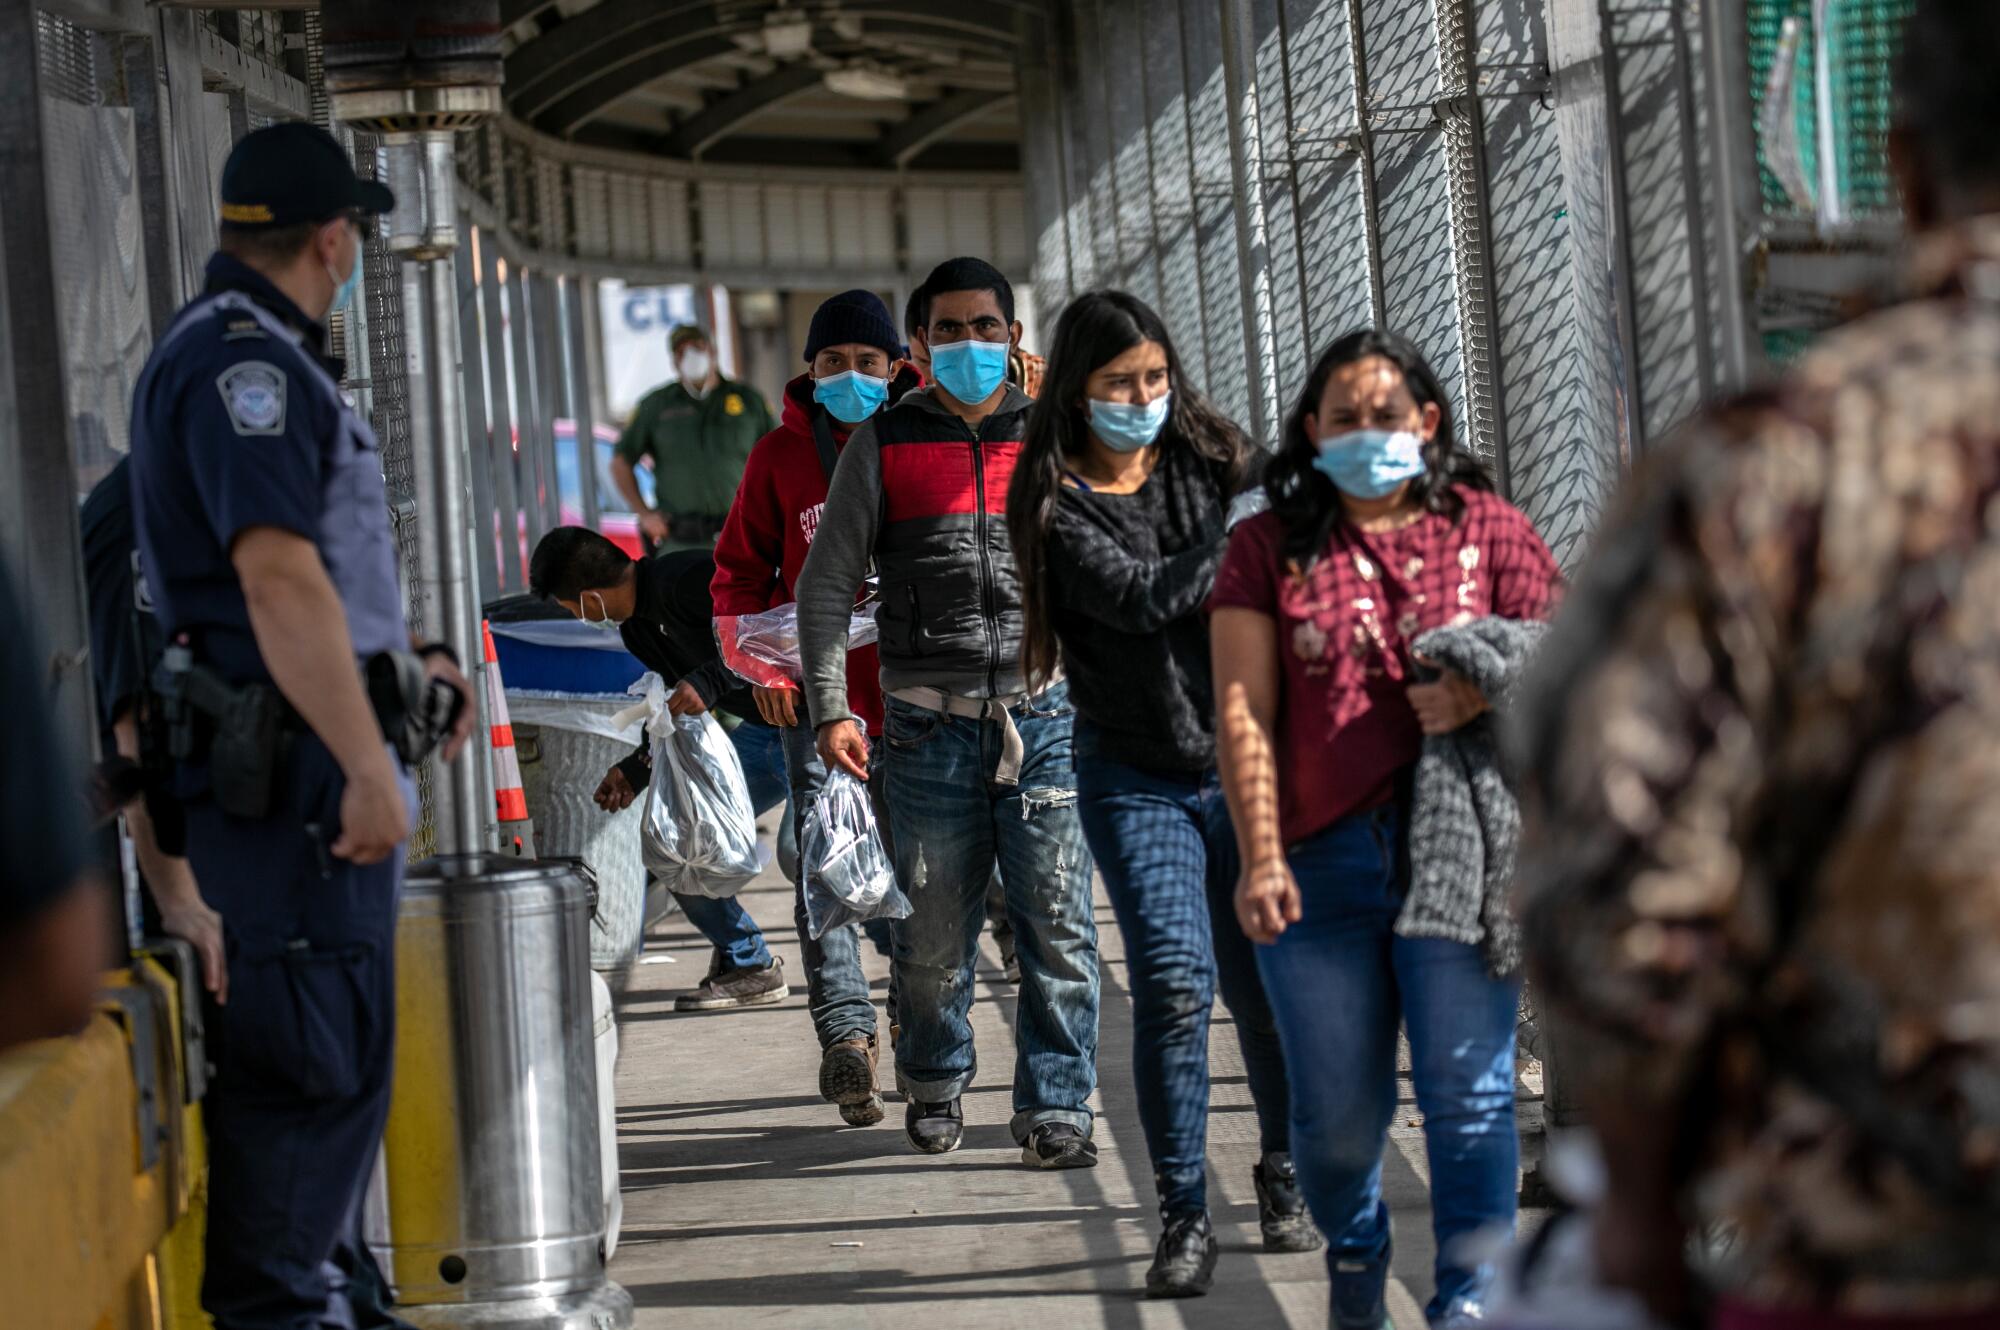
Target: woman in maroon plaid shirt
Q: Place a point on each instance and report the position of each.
(1380, 529)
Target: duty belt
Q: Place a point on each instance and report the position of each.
(1000, 709)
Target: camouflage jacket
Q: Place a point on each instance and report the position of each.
(1762, 770)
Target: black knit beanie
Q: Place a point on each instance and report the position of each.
(853, 316)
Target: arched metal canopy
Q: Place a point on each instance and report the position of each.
(618, 58)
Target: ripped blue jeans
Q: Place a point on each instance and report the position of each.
(951, 823)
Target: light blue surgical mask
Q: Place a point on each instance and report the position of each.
(1126, 427)
(970, 370)
(1370, 463)
(605, 623)
(343, 291)
(851, 397)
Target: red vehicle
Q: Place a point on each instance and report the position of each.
(614, 517)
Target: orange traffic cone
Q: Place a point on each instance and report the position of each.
(517, 829)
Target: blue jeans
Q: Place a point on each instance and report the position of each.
(951, 823)
(724, 921)
(1163, 843)
(836, 988)
(1340, 981)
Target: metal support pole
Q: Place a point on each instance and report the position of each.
(479, 456)
(579, 306)
(1364, 143)
(1692, 205)
(1618, 214)
(1735, 172)
(500, 446)
(545, 332)
(424, 231)
(1253, 258)
(531, 415)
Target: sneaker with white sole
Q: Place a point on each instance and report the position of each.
(746, 987)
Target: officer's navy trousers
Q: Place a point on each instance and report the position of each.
(302, 1051)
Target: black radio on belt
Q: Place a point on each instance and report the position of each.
(416, 711)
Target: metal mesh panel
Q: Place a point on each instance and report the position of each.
(1281, 214)
(103, 321)
(389, 412)
(1173, 197)
(1412, 185)
(1215, 211)
(1123, 78)
(1326, 169)
(1658, 181)
(1561, 465)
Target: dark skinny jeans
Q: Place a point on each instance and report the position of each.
(1167, 853)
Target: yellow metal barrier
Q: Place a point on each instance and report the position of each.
(104, 1170)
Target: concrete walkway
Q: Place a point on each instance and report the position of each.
(748, 1203)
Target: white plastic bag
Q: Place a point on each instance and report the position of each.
(699, 836)
(763, 649)
(848, 875)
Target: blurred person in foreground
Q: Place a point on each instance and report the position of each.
(1765, 746)
(55, 923)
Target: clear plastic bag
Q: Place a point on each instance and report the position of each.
(848, 874)
(763, 649)
(699, 836)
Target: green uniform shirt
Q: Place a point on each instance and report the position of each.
(698, 445)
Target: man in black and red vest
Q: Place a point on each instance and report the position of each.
(977, 769)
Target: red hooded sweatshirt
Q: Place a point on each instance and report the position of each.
(770, 528)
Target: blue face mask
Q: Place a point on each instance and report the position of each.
(1126, 427)
(1370, 463)
(971, 370)
(851, 397)
(343, 292)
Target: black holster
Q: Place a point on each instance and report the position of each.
(244, 732)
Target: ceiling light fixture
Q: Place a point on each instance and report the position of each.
(868, 83)
(788, 34)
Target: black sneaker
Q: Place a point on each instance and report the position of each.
(1281, 1207)
(747, 987)
(1184, 1262)
(934, 1129)
(1058, 1145)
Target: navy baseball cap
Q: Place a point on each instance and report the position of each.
(294, 172)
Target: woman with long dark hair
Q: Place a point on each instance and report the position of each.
(1118, 512)
(1380, 530)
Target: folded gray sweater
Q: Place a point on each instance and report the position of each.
(1465, 824)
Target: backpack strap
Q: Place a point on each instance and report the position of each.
(829, 451)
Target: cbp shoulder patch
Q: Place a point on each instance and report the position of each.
(254, 393)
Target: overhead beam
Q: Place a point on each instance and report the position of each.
(591, 37)
(616, 34)
(516, 11)
(692, 136)
(818, 154)
(929, 123)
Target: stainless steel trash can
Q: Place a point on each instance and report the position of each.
(493, 1209)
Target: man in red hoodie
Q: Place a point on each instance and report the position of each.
(854, 355)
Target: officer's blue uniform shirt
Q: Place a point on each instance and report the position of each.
(238, 422)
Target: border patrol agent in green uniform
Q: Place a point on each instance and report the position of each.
(699, 432)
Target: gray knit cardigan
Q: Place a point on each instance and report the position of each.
(1465, 824)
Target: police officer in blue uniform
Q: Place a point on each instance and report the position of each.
(264, 532)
